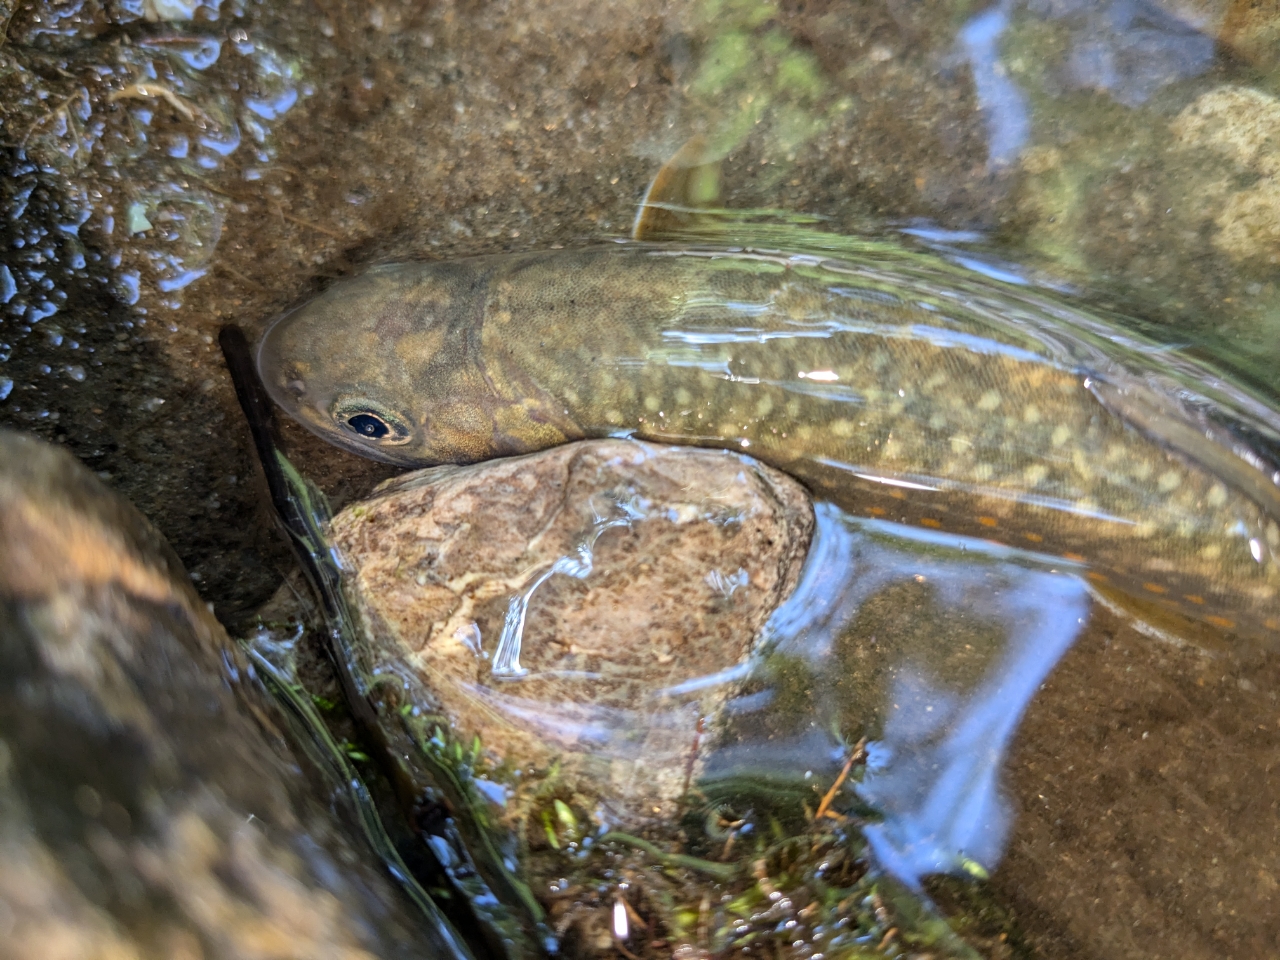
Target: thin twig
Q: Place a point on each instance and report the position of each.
(859, 753)
(140, 91)
(237, 275)
(303, 223)
(274, 204)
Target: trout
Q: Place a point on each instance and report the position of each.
(921, 395)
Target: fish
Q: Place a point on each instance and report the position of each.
(892, 383)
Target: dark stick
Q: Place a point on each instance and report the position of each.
(260, 413)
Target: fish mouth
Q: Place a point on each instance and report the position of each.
(287, 388)
(398, 456)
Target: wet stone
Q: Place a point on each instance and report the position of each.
(592, 606)
(1230, 130)
(148, 805)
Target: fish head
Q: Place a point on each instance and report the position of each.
(388, 366)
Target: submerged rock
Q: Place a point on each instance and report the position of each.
(475, 581)
(1232, 129)
(148, 805)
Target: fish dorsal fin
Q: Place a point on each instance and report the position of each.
(687, 183)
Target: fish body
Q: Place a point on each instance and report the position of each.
(892, 389)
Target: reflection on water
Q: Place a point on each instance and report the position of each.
(938, 676)
(1003, 105)
(1129, 48)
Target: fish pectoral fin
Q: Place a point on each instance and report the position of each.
(1163, 620)
(687, 184)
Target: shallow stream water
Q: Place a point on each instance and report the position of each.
(174, 166)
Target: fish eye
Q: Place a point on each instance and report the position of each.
(370, 420)
(368, 425)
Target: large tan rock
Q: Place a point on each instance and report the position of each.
(630, 580)
(148, 803)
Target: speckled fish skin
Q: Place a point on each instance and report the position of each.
(890, 395)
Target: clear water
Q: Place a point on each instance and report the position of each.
(1123, 149)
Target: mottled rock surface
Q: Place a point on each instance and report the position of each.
(1232, 131)
(647, 572)
(148, 805)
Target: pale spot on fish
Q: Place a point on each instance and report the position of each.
(1212, 552)
(1217, 495)
(652, 404)
(764, 406)
(613, 416)
(843, 428)
(1169, 480)
(1035, 474)
(960, 444)
(1141, 470)
(1081, 462)
(989, 401)
(983, 471)
(1031, 413)
(683, 396)
(937, 422)
(1061, 434)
